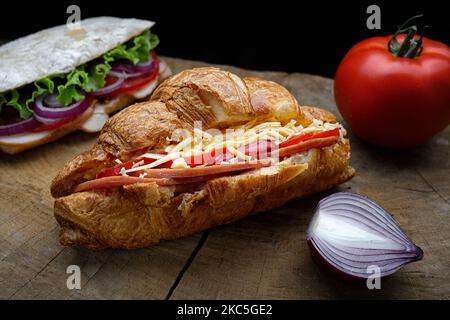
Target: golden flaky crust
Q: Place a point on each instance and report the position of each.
(143, 214)
(268, 97)
(215, 97)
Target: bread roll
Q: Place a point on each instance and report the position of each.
(142, 214)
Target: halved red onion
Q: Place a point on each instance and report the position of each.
(133, 70)
(73, 110)
(19, 127)
(120, 78)
(145, 66)
(350, 233)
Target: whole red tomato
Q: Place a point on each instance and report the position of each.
(395, 95)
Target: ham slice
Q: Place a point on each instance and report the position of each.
(168, 177)
(306, 145)
(117, 181)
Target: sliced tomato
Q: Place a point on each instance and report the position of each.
(53, 126)
(208, 158)
(308, 136)
(193, 160)
(307, 145)
(115, 171)
(111, 178)
(134, 84)
(215, 156)
(257, 150)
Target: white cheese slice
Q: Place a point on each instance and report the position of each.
(96, 121)
(25, 138)
(145, 91)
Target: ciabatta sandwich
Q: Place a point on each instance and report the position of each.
(207, 149)
(67, 78)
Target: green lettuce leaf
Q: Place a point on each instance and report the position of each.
(88, 77)
(12, 99)
(42, 86)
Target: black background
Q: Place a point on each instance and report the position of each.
(282, 309)
(299, 36)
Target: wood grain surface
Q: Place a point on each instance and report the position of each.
(262, 257)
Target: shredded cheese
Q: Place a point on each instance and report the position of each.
(170, 156)
(232, 139)
(239, 154)
(179, 163)
(153, 155)
(123, 172)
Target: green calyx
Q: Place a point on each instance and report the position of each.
(412, 45)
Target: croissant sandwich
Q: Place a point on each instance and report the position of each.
(207, 149)
(72, 77)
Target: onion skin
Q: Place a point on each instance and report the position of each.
(137, 69)
(325, 265)
(73, 110)
(45, 120)
(327, 234)
(120, 79)
(19, 127)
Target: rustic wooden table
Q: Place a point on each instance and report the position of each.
(262, 257)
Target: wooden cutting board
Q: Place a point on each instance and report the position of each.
(262, 257)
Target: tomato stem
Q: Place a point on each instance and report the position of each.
(412, 45)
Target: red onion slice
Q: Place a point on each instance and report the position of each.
(73, 110)
(122, 74)
(126, 74)
(51, 101)
(350, 232)
(120, 79)
(138, 69)
(125, 70)
(19, 127)
(45, 120)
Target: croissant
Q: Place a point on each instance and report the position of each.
(138, 184)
